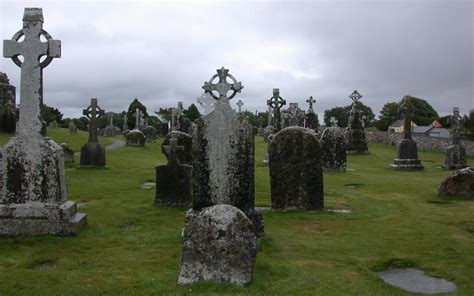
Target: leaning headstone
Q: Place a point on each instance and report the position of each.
(333, 146)
(67, 152)
(72, 128)
(456, 153)
(459, 183)
(34, 197)
(356, 141)
(185, 140)
(407, 151)
(92, 153)
(296, 173)
(173, 181)
(219, 245)
(135, 137)
(8, 110)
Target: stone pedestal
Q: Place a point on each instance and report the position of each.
(334, 146)
(92, 154)
(356, 142)
(407, 156)
(296, 173)
(135, 138)
(174, 185)
(219, 245)
(34, 198)
(455, 158)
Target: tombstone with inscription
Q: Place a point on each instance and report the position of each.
(34, 199)
(296, 173)
(223, 180)
(333, 146)
(135, 137)
(8, 109)
(92, 153)
(456, 153)
(407, 151)
(356, 141)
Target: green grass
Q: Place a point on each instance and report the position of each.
(131, 246)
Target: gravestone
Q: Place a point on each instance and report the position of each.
(407, 152)
(459, 183)
(186, 125)
(8, 111)
(92, 153)
(296, 173)
(223, 174)
(34, 197)
(176, 114)
(72, 128)
(53, 124)
(311, 117)
(151, 134)
(110, 130)
(184, 140)
(333, 146)
(455, 153)
(294, 115)
(173, 181)
(67, 152)
(125, 124)
(135, 137)
(356, 141)
(219, 245)
(207, 103)
(239, 105)
(276, 102)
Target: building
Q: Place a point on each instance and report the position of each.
(398, 126)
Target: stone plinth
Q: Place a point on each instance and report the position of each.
(334, 146)
(92, 154)
(135, 138)
(296, 173)
(220, 245)
(459, 183)
(455, 157)
(356, 142)
(407, 156)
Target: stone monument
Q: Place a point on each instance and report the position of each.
(296, 173)
(239, 105)
(8, 109)
(311, 117)
(110, 129)
(135, 137)
(125, 124)
(407, 152)
(151, 134)
(92, 153)
(183, 139)
(459, 183)
(276, 102)
(456, 153)
(72, 128)
(333, 145)
(34, 197)
(356, 141)
(207, 103)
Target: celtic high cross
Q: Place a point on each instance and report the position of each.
(32, 49)
(240, 104)
(93, 112)
(407, 109)
(310, 101)
(222, 87)
(276, 102)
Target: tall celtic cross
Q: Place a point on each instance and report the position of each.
(455, 120)
(355, 96)
(240, 104)
(310, 101)
(93, 112)
(172, 152)
(222, 87)
(32, 49)
(333, 121)
(276, 102)
(407, 109)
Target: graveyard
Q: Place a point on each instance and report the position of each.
(374, 218)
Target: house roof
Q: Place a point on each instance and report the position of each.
(438, 130)
(397, 123)
(437, 124)
(421, 129)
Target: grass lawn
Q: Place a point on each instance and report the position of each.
(131, 246)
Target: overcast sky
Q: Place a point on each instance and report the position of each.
(162, 52)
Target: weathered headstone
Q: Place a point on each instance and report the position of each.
(176, 114)
(296, 173)
(125, 124)
(92, 153)
(173, 181)
(333, 146)
(8, 109)
(407, 151)
(223, 174)
(185, 140)
(459, 183)
(34, 197)
(72, 128)
(456, 153)
(151, 134)
(110, 129)
(311, 117)
(67, 152)
(219, 245)
(356, 141)
(294, 115)
(53, 124)
(135, 137)
(276, 102)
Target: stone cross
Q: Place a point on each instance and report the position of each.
(172, 151)
(333, 121)
(276, 102)
(206, 102)
(240, 104)
(355, 96)
(310, 101)
(32, 49)
(93, 112)
(137, 119)
(455, 120)
(222, 87)
(407, 109)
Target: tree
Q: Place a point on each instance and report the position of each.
(424, 113)
(131, 112)
(192, 113)
(342, 116)
(468, 125)
(50, 114)
(388, 115)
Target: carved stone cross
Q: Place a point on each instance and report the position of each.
(455, 120)
(240, 104)
(222, 87)
(93, 112)
(172, 152)
(32, 49)
(355, 96)
(310, 101)
(333, 121)
(407, 109)
(276, 102)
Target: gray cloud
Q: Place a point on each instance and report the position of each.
(163, 52)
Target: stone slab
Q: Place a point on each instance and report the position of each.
(416, 281)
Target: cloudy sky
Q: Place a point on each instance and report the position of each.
(162, 52)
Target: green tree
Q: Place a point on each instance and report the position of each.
(192, 113)
(424, 113)
(50, 114)
(131, 112)
(468, 125)
(342, 114)
(388, 115)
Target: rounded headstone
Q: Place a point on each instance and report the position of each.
(334, 145)
(460, 183)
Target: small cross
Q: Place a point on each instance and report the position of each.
(172, 150)
(355, 96)
(276, 102)
(222, 87)
(333, 121)
(240, 104)
(93, 112)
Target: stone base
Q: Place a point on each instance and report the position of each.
(406, 164)
(455, 158)
(135, 138)
(174, 185)
(356, 142)
(407, 156)
(92, 154)
(40, 219)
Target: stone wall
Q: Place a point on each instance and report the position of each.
(423, 142)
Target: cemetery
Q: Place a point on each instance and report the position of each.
(224, 200)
